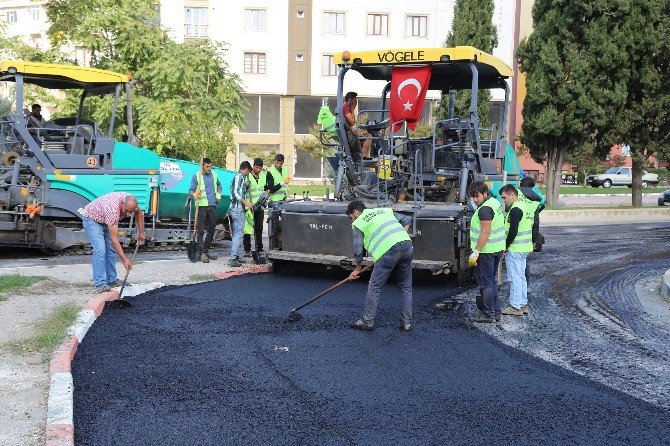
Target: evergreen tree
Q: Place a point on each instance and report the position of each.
(472, 26)
(570, 96)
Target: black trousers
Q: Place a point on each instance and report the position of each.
(206, 222)
(259, 215)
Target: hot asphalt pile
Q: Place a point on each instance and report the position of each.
(216, 363)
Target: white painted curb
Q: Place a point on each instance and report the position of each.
(61, 410)
(665, 285)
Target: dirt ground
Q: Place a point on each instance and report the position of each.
(24, 378)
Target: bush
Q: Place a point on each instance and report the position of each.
(663, 175)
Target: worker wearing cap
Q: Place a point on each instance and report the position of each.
(276, 181)
(383, 234)
(518, 243)
(487, 241)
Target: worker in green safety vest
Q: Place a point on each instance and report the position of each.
(277, 180)
(257, 180)
(206, 190)
(518, 244)
(383, 234)
(487, 242)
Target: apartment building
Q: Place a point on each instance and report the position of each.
(283, 51)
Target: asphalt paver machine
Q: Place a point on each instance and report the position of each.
(423, 177)
(50, 170)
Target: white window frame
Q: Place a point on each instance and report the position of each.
(11, 16)
(337, 14)
(328, 66)
(409, 30)
(257, 63)
(382, 16)
(260, 117)
(625, 150)
(256, 27)
(34, 14)
(195, 28)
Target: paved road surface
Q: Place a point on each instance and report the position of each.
(216, 363)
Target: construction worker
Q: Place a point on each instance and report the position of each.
(531, 196)
(276, 181)
(383, 234)
(518, 244)
(238, 205)
(487, 241)
(206, 188)
(100, 219)
(248, 231)
(257, 187)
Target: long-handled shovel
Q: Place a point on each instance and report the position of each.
(295, 316)
(193, 249)
(120, 302)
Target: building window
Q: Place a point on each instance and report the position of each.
(301, 14)
(262, 115)
(299, 58)
(255, 19)
(378, 25)
(11, 16)
(416, 26)
(333, 23)
(195, 22)
(34, 14)
(625, 150)
(254, 63)
(328, 67)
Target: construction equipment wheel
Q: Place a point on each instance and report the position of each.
(9, 158)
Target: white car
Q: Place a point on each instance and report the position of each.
(620, 176)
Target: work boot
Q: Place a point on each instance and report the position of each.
(103, 288)
(525, 309)
(204, 258)
(484, 319)
(117, 282)
(247, 254)
(210, 256)
(360, 324)
(405, 326)
(511, 311)
(234, 263)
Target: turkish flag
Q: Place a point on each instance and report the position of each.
(408, 93)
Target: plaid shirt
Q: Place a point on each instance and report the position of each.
(107, 209)
(238, 190)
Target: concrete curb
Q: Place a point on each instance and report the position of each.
(665, 285)
(574, 217)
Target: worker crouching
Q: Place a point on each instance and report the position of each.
(383, 234)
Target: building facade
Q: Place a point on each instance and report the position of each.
(283, 52)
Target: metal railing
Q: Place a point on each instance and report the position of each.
(191, 30)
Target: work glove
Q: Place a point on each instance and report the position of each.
(287, 180)
(472, 260)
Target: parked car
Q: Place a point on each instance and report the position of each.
(568, 178)
(664, 198)
(620, 176)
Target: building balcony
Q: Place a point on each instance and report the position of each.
(195, 31)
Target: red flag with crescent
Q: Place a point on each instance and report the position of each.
(408, 94)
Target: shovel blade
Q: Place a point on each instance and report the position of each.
(123, 303)
(193, 251)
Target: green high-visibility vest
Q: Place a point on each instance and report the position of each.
(327, 120)
(530, 204)
(278, 177)
(523, 242)
(248, 221)
(496, 240)
(256, 187)
(381, 231)
(202, 201)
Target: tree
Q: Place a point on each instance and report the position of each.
(186, 100)
(570, 97)
(642, 118)
(472, 26)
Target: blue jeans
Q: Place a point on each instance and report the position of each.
(486, 273)
(515, 263)
(104, 254)
(400, 258)
(237, 219)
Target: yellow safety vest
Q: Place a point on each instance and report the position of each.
(496, 240)
(381, 231)
(202, 201)
(256, 187)
(523, 242)
(278, 177)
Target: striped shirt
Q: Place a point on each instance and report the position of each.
(107, 209)
(238, 190)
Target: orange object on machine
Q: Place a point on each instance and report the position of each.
(33, 209)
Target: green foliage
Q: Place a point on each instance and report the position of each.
(422, 130)
(268, 156)
(311, 145)
(473, 26)
(186, 100)
(663, 174)
(16, 282)
(49, 332)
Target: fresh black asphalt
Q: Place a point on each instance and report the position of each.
(217, 364)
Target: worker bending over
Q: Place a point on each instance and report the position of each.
(519, 242)
(487, 241)
(383, 234)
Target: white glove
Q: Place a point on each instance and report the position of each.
(472, 260)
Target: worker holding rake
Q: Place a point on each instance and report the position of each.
(383, 234)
